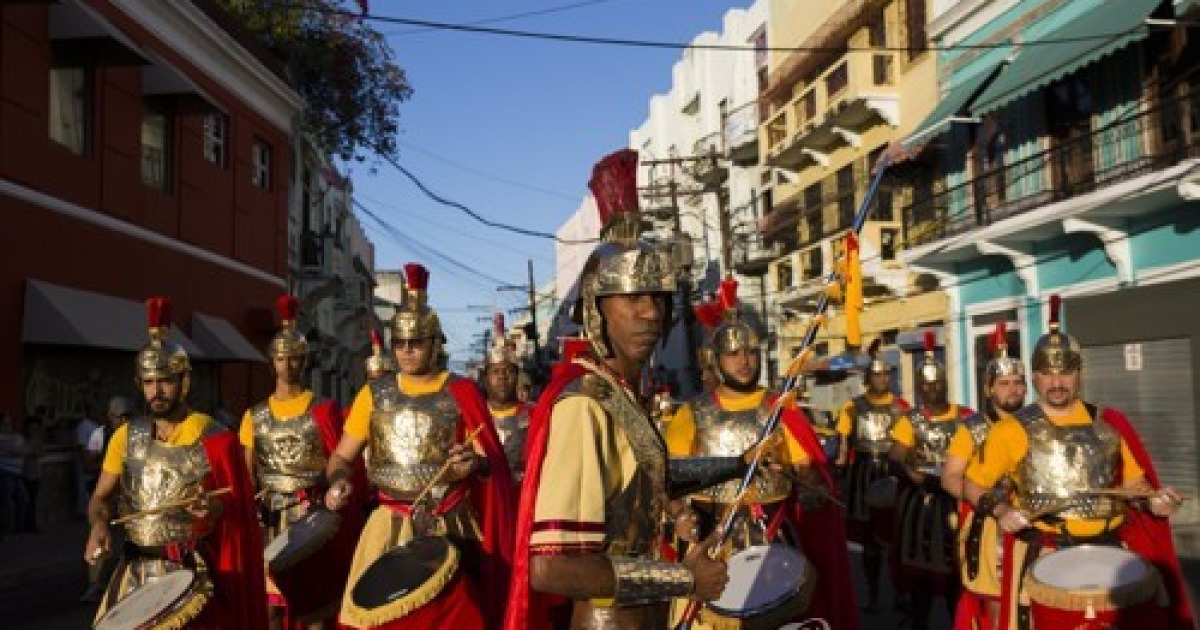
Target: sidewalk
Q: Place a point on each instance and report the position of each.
(56, 551)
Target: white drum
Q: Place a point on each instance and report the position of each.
(1091, 586)
(773, 581)
(167, 601)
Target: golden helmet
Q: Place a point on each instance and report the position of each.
(1056, 351)
(500, 350)
(1001, 364)
(931, 370)
(414, 319)
(621, 264)
(876, 363)
(288, 342)
(161, 358)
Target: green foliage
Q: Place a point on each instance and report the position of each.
(343, 67)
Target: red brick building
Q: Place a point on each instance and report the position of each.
(144, 149)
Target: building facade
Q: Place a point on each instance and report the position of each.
(143, 151)
(860, 77)
(1065, 154)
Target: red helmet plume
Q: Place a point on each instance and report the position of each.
(999, 340)
(287, 306)
(709, 314)
(930, 341)
(727, 293)
(416, 277)
(614, 184)
(498, 325)
(376, 339)
(1055, 311)
(158, 311)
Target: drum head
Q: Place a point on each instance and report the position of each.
(402, 570)
(761, 578)
(149, 602)
(1090, 567)
(301, 539)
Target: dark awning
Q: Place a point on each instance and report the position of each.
(221, 341)
(954, 105)
(1105, 28)
(62, 316)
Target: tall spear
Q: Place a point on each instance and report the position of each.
(789, 391)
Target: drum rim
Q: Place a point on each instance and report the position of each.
(744, 613)
(276, 565)
(198, 588)
(1100, 598)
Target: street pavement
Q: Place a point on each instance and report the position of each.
(42, 576)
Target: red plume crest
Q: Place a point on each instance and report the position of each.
(727, 292)
(287, 306)
(416, 277)
(376, 340)
(614, 184)
(930, 341)
(999, 339)
(1055, 310)
(873, 349)
(709, 314)
(158, 311)
(498, 325)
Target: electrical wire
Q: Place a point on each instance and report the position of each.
(509, 18)
(489, 176)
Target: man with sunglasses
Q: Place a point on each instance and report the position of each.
(431, 438)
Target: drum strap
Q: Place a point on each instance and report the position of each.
(974, 543)
(405, 508)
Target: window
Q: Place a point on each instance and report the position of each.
(157, 131)
(260, 164)
(889, 239)
(216, 138)
(845, 196)
(918, 38)
(71, 107)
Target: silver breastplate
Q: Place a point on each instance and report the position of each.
(720, 432)
(930, 440)
(154, 475)
(289, 454)
(1064, 462)
(978, 426)
(512, 431)
(635, 512)
(410, 436)
(873, 427)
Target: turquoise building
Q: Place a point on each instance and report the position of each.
(1064, 157)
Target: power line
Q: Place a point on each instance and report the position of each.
(475, 215)
(642, 43)
(510, 17)
(479, 173)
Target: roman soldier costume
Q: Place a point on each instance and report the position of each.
(512, 422)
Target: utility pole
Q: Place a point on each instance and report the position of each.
(537, 353)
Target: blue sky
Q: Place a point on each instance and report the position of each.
(511, 128)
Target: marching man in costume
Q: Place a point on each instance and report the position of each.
(598, 480)
(510, 415)
(1076, 469)
(865, 426)
(379, 364)
(287, 440)
(978, 537)
(927, 514)
(791, 507)
(431, 438)
(187, 499)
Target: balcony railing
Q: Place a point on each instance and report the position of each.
(1075, 165)
(752, 254)
(741, 132)
(860, 76)
(709, 168)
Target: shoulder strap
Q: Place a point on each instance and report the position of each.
(1029, 414)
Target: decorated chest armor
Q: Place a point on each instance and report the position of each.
(155, 475)
(873, 426)
(410, 436)
(1064, 461)
(512, 431)
(978, 426)
(635, 511)
(930, 441)
(289, 453)
(720, 432)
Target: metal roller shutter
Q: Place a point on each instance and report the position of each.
(1151, 382)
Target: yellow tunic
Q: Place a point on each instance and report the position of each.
(845, 421)
(185, 434)
(902, 429)
(681, 432)
(1007, 444)
(503, 412)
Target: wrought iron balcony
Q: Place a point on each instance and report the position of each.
(1120, 151)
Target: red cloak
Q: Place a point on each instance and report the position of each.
(319, 581)
(234, 549)
(492, 498)
(529, 610)
(822, 536)
(1145, 534)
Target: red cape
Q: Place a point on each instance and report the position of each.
(823, 536)
(528, 610)
(1145, 534)
(234, 549)
(492, 497)
(321, 579)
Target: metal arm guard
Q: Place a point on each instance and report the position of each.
(686, 475)
(644, 581)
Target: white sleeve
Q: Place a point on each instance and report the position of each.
(95, 443)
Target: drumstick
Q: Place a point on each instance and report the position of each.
(1123, 493)
(167, 507)
(445, 467)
